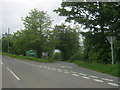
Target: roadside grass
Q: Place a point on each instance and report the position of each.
(27, 58)
(103, 68)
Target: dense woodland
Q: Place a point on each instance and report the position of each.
(101, 19)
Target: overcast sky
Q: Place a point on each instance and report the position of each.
(13, 10)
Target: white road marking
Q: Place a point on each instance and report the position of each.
(65, 67)
(66, 72)
(94, 76)
(59, 70)
(62, 67)
(44, 66)
(97, 80)
(85, 77)
(48, 68)
(1, 63)
(53, 69)
(73, 72)
(14, 74)
(113, 84)
(82, 74)
(107, 79)
(39, 66)
(75, 75)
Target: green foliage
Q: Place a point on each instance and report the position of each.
(117, 50)
(4, 44)
(102, 20)
(78, 55)
(37, 34)
(68, 40)
(100, 67)
(57, 56)
(26, 57)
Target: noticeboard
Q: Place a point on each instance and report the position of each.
(31, 53)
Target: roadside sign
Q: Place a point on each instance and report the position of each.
(44, 53)
(31, 53)
(111, 39)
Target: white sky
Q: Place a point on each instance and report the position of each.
(13, 10)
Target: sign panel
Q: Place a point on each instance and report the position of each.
(44, 53)
(111, 39)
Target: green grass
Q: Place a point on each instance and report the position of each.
(27, 58)
(103, 68)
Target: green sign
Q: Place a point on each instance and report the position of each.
(31, 53)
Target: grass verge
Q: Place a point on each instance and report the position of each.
(103, 68)
(26, 57)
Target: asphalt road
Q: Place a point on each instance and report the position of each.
(30, 74)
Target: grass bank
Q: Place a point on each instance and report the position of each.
(27, 58)
(103, 68)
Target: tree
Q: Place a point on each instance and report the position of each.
(36, 35)
(68, 40)
(101, 18)
(6, 42)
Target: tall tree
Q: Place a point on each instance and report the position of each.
(101, 18)
(68, 40)
(35, 35)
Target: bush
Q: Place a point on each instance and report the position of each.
(57, 56)
(27, 57)
(77, 56)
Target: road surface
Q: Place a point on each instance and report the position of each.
(18, 73)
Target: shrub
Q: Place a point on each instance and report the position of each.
(57, 56)
(77, 56)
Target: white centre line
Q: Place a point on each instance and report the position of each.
(66, 72)
(107, 79)
(73, 72)
(62, 67)
(97, 80)
(75, 75)
(44, 66)
(82, 74)
(54, 69)
(85, 77)
(94, 76)
(39, 66)
(48, 68)
(113, 84)
(14, 74)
